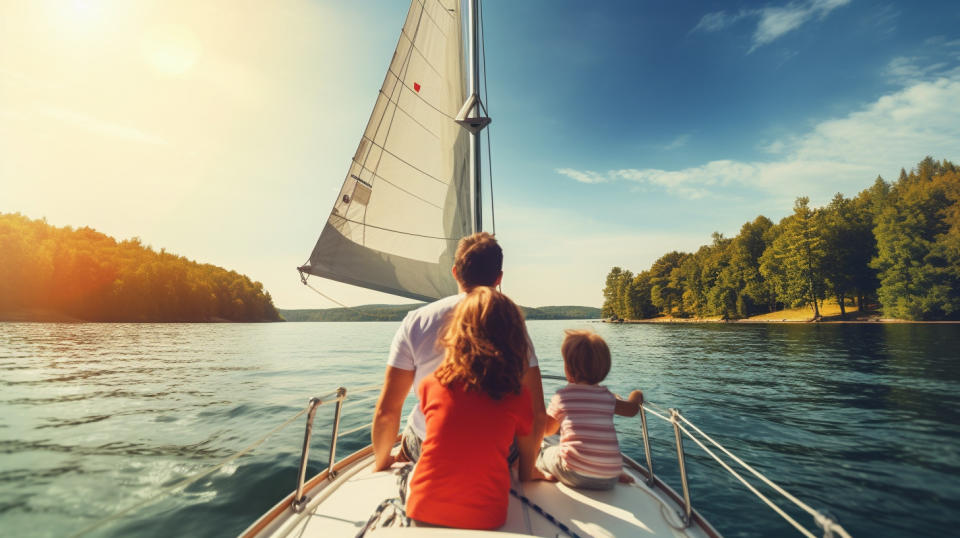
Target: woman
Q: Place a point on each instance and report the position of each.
(474, 404)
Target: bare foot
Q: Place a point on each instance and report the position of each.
(624, 478)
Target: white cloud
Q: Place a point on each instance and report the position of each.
(842, 154)
(777, 21)
(714, 22)
(775, 147)
(939, 58)
(772, 21)
(677, 142)
(586, 176)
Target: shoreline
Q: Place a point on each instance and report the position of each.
(870, 321)
(36, 315)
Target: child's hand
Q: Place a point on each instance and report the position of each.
(629, 407)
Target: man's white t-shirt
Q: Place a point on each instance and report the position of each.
(415, 347)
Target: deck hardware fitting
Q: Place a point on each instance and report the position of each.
(687, 508)
(650, 480)
(299, 499)
(341, 395)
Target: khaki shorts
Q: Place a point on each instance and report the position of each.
(551, 463)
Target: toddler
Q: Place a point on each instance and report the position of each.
(588, 455)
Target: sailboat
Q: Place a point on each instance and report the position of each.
(411, 193)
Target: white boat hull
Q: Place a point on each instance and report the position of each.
(342, 506)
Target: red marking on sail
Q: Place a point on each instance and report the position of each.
(416, 87)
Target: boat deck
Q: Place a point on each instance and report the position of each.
(341, 507)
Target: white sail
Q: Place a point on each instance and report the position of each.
(406, 200)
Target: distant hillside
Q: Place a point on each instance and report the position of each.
(383, 312)
(49, 273)
(370, 312)
(561, 312)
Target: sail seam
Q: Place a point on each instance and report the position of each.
(446, 9)
(423, 7)
(397, 157)
(398, 187)
(394, 231)
(428, 103)
(426, 61)
(409, 115)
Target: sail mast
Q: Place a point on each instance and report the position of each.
(474, 83)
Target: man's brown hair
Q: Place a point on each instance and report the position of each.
(485, 345)
(479, 260)
(586, 356)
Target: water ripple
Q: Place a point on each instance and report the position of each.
(862, 420)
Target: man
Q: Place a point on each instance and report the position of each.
(415, 354)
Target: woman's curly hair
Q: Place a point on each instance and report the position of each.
(486, 345)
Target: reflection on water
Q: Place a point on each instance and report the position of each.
(858, 420)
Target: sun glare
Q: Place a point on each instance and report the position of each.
(171, 51)
(84, 11)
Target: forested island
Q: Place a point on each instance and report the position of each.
(52, 273)
(384, 312)
(894, 247)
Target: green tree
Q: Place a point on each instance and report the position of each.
(640, 305)
(918, 256)
(752, 293)
(611, 298)
(794, 262)
(665, 292)
(850, 245)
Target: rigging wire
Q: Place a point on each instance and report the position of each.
(817, 516)
(829, 525)
(303, 279)
(486, 93)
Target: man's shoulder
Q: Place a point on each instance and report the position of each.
(438, 308)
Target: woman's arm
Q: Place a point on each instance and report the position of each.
(551, 426)
(629, 407)
(529, 445)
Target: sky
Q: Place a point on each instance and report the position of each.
(622, 130)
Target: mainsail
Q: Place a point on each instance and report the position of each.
(406, 199)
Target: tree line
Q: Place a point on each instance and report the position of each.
(895, 245)
(87, 275)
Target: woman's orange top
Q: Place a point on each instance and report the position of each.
(462, 478)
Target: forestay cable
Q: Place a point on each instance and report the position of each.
(486, 94)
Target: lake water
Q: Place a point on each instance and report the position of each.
(862, 421)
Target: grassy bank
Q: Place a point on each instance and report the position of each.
(829, 312)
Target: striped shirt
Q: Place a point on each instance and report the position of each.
(588, 439)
